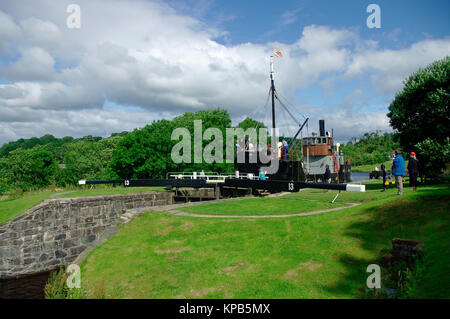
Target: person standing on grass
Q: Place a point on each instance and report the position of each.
(398, 169)
(413, 170)
(383, 173)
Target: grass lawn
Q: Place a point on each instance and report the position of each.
(158, 255)
(370, 167)
(111, 191)
(9, 208)
(259, 206)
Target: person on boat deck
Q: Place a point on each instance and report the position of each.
(261, 175)
(238, 147)
(280, 147)
(286, 149)
(202, 175)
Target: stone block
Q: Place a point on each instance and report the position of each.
(75, 251)
(60, 236)
(68, 243)
(89, 239)
(28, 261)
(60, 254)
(9, 235)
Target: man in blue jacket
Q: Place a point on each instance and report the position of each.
(398, 169)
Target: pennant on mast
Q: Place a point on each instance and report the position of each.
(277, 53)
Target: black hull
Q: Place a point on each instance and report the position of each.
(288, 170)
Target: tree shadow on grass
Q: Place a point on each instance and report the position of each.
(422, 216)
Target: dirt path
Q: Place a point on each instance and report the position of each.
(174, 210)
(58, 194)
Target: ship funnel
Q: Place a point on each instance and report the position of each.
(322, 127)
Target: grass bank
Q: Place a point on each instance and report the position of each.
(371, 167)
(260, 206)
(320, 256)
(110, 191)
(13, 206)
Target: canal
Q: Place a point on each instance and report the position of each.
(29, 287)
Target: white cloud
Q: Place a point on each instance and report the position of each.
(41, 33)
(9, 30)
(143, 53)
(35, 64)
(388, 68)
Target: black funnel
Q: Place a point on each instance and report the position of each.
(322, 127)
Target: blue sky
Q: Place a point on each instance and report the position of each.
(132, 62)
(261, 21)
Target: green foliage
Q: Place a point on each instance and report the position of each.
(420, 111)
(371, 148)
(436, 154)
(250, 123)
(146, 153)
(28, 168)
(56, 287)
(87, 159)
(32, 163)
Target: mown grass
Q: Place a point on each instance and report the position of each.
(259, 206)
(371, 167)
(320, 256)
(111, 191)
(11, 207)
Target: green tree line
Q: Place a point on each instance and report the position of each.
(35, 163)
(371, 148)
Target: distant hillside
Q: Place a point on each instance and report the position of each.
(371, 148)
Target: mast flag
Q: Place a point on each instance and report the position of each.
(277, 53)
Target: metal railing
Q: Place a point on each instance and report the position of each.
(211, 177)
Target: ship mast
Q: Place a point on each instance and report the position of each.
(272, 89)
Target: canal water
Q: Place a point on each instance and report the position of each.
(29, 287)
(360, 176)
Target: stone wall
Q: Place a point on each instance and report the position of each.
(55, 232)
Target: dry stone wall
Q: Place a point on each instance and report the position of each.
(55, 232)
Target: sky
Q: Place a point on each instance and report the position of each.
(132, 62)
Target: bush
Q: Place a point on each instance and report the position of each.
(56, 287)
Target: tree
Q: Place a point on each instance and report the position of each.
(371, 148)
(29, 168)
(420, 111)
(87, 159)
(146, 153)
